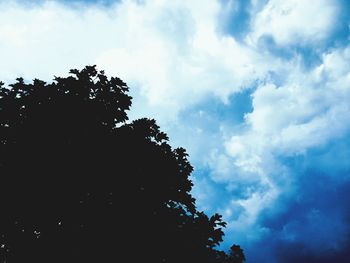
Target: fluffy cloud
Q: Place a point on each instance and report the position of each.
(182, 58)
(294, 22)
(170, 51)
(308, 110)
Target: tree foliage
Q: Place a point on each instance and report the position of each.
(81, 184)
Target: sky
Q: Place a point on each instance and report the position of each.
(257, 91)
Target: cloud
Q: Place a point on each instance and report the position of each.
(260, 106)
(171, 51)
(294, 22)
(312, 229)
(184, 58)
(46, 39)
(304, 118)
(308, 110)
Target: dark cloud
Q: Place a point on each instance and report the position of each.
(297, 252)
(314, 226)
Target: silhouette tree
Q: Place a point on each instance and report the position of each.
(81, 184)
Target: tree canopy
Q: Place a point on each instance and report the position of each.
(80, 183)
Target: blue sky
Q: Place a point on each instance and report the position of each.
(257, 91)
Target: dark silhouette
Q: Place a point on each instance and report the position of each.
(80, 184)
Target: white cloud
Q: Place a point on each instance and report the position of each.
(309, 110)
(295, 21)
(169, 50)
(179, 63)
(49, 39)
